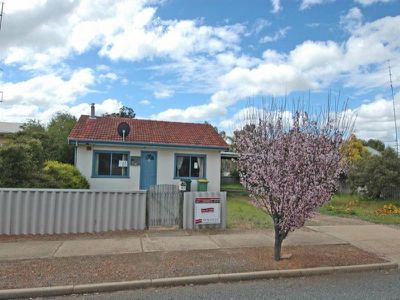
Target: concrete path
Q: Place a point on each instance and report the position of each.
(326, 220)
(156, 242)
(380, 239)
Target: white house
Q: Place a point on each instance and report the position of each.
(145, 152)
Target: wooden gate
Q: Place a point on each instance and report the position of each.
(164, 206)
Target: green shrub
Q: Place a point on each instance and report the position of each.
(63, 176)
(373, 175)
(20, 162)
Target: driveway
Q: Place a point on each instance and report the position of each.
(325, 220)
(380, 239)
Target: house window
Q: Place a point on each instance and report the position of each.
(190, 166)
(110, 164)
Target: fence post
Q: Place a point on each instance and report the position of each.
(147, 209)
(181, 196)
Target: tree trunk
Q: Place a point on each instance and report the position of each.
(277, 246)
(280, 235)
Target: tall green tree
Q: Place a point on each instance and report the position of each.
(124, 112)
(53, 137)
(376, 174)
(58, 130)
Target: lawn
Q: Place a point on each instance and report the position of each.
(244, 215)
(232, 187)
(354, 206)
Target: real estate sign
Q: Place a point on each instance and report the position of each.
(207, 210)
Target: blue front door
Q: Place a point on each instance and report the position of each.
(148, 169)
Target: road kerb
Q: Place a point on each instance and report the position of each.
(112, 286)
(37, 292)
(176, 281)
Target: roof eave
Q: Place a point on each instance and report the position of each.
(73, 141)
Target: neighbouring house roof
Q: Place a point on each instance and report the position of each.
(9, 127)
(146, 132)
(373, 151)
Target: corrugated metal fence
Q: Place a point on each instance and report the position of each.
(48, 211)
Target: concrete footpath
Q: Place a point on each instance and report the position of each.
(379, 239)
(156, 241)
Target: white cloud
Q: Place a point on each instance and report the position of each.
(375, 120)
(358, 62)
(276, 6)
(237, 120)
(23, 113)
(163, 93)
(192, 113)
(103, 68)
(145, 102)
(42, 96)
(49, 89)
(54, 30)
(258, 26)
(352, 20)
(369, 2)
(108, 76)
(308, 3)
(281, 33)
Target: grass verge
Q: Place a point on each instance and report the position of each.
(364, 209)
(244, 215)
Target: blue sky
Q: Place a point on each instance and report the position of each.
(199, 60)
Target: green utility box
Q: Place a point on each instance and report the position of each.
(202, 185)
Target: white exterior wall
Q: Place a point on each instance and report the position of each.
(165, 167)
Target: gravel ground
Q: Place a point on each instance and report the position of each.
(91, 269)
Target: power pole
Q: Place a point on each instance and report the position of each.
(394, 110)
(1, 13)
(1, 21)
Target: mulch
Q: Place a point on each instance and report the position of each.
(110, 268)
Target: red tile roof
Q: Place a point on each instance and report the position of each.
(104, 129)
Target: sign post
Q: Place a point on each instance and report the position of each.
(207, 210)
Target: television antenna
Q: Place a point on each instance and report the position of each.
(123, 130)
(394, 109)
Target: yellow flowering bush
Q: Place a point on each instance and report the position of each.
(388, 209)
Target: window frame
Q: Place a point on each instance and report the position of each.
(190, 165)
(111, 152)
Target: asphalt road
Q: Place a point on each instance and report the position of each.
(368, 285)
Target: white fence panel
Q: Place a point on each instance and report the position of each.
(50, 211)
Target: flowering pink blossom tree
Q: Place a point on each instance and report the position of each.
(291, 165)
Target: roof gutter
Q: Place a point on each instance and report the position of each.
(143, 144)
